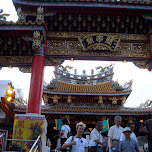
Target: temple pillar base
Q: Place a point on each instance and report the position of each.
(29, 127)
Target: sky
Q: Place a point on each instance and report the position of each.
(123, 72)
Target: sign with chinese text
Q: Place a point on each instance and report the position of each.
(27, 128)
(96, 41)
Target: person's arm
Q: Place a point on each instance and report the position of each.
(133, 136)
(120, 145)
(100, 143)
(107, 145)
(86, 146)
(111, 145)
(86, 149)
(64, 146)
(110, 135)
(137, 147)
(146, 138)
(146, 135)
(122, 137)
(61, 132)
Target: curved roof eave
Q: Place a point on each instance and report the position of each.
(129, 111)
(116, 5)
(95, 94)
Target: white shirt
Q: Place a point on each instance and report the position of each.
(95, 135)
(115, 132)
(66, 129)
(81, 144)
(132, 136)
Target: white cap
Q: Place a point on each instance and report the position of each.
(127, 129)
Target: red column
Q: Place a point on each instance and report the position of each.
(36, 85)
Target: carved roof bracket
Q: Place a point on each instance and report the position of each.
(100, 101)
(25, 69)
(53, 61)
(144, 64)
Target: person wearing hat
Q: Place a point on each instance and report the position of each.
(128, 145)
(132, 136)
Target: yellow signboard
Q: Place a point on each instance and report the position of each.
(27, 128)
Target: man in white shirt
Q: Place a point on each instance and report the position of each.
(132, 135)
(115, 133)
(65, 130)
(97, 137)
(77, 142)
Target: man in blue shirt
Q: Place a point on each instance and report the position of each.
(128, 145)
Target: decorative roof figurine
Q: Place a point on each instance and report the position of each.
(36, 40)
(116, 86)
(65, 68)
(84, 75)
(3, 16)
(103, 69)
(40, 14)
(21, 16)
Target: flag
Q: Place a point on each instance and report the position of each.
(105, 126)
(58, 124)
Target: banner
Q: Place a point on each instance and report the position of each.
(58, 123)
(27, 128)
(105, 126)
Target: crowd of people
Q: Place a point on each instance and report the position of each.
(129, 139)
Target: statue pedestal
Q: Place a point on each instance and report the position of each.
(28, 127)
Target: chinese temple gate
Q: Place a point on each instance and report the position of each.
(49, 32)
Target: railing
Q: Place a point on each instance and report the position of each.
(36, 141)
(80, 77)
(21, 147)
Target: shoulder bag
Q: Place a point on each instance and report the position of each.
(71, 141)
(143, 130)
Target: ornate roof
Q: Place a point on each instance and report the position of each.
(87, 16)
(83, 2)
(100, 89)
(89, 110)
(99, 84)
